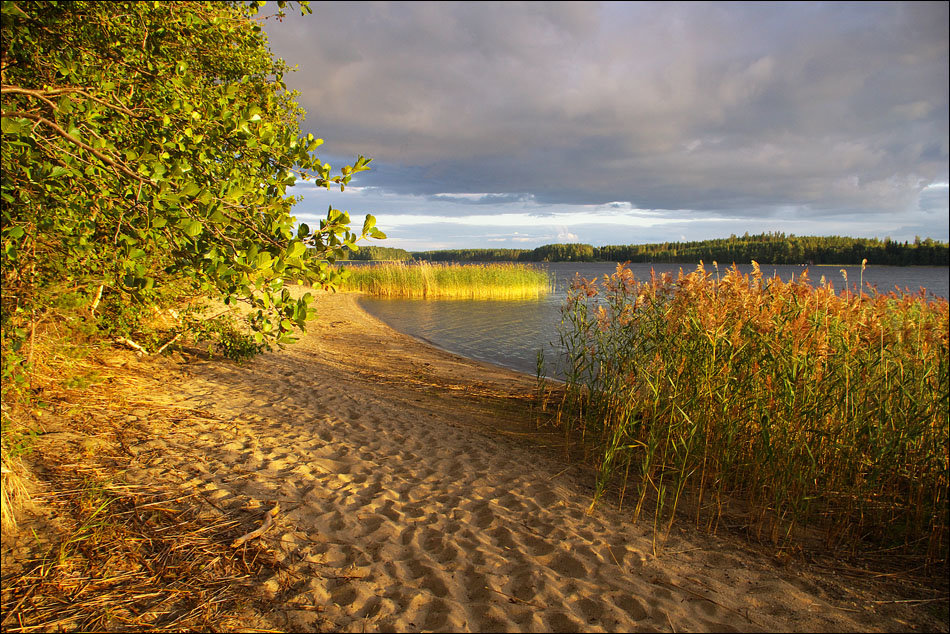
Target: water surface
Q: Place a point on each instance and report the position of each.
(510, 333)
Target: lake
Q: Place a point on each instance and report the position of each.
(510, 333)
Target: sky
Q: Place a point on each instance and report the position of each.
(514, 125)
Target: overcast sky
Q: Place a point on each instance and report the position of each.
(517, 125)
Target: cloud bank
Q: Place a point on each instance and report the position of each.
(780, 115)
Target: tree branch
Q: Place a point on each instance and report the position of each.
(58, 130)
(46, 94)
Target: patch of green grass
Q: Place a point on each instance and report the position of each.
(449, 281)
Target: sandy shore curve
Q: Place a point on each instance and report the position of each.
(416, 494)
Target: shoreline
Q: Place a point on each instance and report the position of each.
(432, 344)
(417, 493)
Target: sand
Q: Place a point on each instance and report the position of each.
(415, 494)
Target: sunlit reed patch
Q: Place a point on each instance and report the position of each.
(450, 281)
(813, 410)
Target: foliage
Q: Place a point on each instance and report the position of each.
(378, 253)
(778, 248)
(546, 253)
(470, 255)
(767, 248)
(223, 332)
(147, 152)
(449, 281)
(561, 253)
(815, 409)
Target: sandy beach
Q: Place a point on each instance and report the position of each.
(415, 493)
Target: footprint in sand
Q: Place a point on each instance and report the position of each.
(536, 546)
(387, 511)
(474, 585)
(502, 538)
(482, 515)
(568, 566)
(369, 524)
(433, 582)
(430, 541)
(558, 621)
(631, 605)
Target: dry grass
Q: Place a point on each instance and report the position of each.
(135, 559)
(13, 492)
(90, 553)
(823, 415)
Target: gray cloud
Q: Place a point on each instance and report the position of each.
(804, 110)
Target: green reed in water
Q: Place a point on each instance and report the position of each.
(813, 410)
(449, 281)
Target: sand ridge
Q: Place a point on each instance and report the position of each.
(414, 497)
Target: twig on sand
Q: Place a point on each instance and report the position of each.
(910, 600)
(513, 599)
(705, 598)
(268, 520)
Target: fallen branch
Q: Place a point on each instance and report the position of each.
(128, 342)
(268, 520)
(131, 344)
(514, 599)
(95, 304)
(168, 343)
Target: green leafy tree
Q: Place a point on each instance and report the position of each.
(379, 253)
(148, 148)
(777, 248)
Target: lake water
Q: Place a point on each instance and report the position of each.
(510, 333)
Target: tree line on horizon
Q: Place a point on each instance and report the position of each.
(765, 248)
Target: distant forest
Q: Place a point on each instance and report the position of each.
(765, 248)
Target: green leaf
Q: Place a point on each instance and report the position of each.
(10, 125)
(193, 229)
(369, 223)
(296, 249)
(263, 260)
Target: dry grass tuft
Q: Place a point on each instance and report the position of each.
(92, 553)
(12, 492)
(135, 558)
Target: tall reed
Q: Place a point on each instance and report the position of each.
(449, 281)
(814, 410)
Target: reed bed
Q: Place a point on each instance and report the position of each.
(814, 414)
(449, 281)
